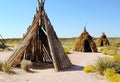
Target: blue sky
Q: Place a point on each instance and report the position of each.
(67, 16)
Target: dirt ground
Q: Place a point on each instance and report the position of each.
(75, 74)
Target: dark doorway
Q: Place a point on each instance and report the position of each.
(87, 47)
(101, 43)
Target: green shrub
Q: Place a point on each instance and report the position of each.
(114, 78)
(26, 65)
(101, 49)
(117, 57)
(109, 72)
(10, 45)
(109, 50)
(117, 67)
(112, 52)
(67, 51)
(111, 75)
(6, 67)
(103, 63)
(116, 44)
(106, 52)
(89, 68)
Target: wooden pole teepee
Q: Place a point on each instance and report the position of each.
(41, 44)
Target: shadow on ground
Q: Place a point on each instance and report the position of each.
(74, 68)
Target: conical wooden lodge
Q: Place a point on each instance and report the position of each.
(41, 44)
(85, 43)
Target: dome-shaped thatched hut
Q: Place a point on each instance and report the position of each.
(85, 43)
(102, 41)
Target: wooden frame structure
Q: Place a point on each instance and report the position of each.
(41, 44)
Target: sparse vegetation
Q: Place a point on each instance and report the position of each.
(6, 67)
(117, 58)
(107, 66)
(116, 44)
(110, 69)
(14, 40)
(10, 45)
(111, 75)
(89, 68)
(26, 65)
(109, 50)
(67, 50)
(101, 64)
(68, 44)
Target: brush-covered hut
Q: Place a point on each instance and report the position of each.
(102, 41)
(85, 43)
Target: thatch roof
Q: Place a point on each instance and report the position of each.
(85, 43)
(102, 41)
(41, 44)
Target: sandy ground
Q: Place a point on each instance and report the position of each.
(75, 74)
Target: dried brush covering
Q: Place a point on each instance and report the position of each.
(26, 65)
(102, 41)
(79, 46)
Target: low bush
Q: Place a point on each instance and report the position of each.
(109, 50)
(89, 68)
(109, 72)
(10, 45)
(26, 65)
(101, 49)
(117, 58)
(101, 64)
(111, 75)
(117, 67)
(6, 67)
(67, 50)
(106, 52)
(116, 44)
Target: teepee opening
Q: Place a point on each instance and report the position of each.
(87, 47)
(101, 43)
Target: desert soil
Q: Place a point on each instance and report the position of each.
(75, 74)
